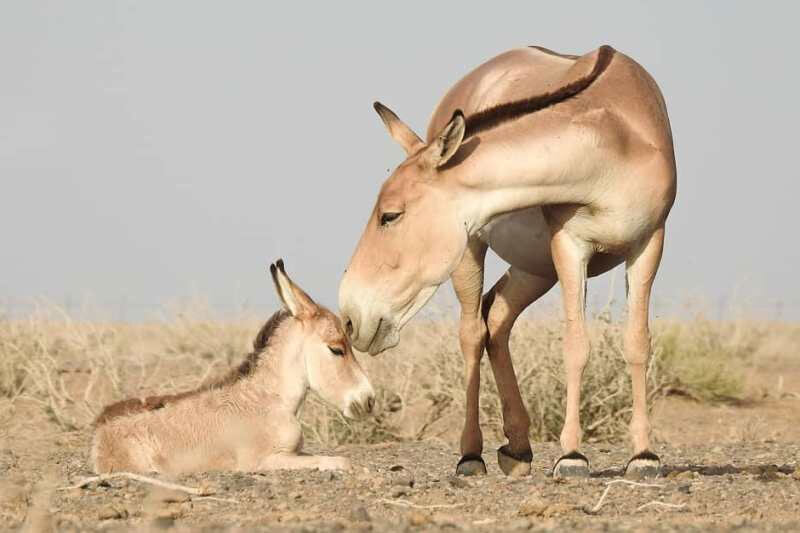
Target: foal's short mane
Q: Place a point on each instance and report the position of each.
(151, 403)
(496, 115)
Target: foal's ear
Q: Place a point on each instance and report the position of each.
(447, 143)
(293, 297)
(401, 133)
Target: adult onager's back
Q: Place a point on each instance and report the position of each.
(564, 166)
(246, 421)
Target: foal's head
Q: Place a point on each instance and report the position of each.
(330, 367)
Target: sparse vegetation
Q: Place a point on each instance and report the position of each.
(65, 371)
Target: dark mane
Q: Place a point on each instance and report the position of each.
(260, 344)
(494, 116)
(246, 368)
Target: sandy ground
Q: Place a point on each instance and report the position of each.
(726, 467)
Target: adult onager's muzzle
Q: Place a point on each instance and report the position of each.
(369, 329)
(372, 321)
(361, 319)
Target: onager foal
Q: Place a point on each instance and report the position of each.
(247, 420)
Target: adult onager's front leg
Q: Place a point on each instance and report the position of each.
(641, 271)
(502, 305)
(468, 284)
(571, 258)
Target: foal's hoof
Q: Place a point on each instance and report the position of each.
(643, 465)
(471, 465)
(514, 464)
(573, 464)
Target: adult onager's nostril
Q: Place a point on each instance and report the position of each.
(370, 403)
(348, 326)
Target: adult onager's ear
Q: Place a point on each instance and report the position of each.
(293, 297)
(401, 133)
(447, 142)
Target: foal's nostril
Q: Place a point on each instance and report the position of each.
(370, 403)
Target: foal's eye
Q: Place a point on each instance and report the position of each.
(388, 218)
(336, 351)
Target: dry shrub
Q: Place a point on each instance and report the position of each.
(705, 360)
(43, 355)
(67, 370)
(421, 388)
(70, 369)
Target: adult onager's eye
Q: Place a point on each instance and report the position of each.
(388, 218)
(336, 351)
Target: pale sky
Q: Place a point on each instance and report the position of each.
(155, 151)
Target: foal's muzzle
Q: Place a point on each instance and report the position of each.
(361, 405)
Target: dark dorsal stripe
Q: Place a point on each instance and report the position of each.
(554, 53)
(496, 115)
(246, 368)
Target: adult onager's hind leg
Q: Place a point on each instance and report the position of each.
(641, 271)
(571, 259)
(512, 293)
(468, 284)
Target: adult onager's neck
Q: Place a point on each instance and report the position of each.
(499, 177)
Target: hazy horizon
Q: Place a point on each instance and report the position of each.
(162, 152)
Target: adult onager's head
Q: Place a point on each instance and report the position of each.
(414, 239)
(248, 419)
(329, 366)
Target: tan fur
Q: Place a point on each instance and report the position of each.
(565, 168)
(248, 419)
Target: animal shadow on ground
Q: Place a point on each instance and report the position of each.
(765, 472)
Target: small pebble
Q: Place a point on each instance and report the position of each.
(359, 514)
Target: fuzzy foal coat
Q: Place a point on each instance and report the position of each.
(230, 424)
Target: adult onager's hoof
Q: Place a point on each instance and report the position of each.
(573, 464)
(514, 464)
(643, 465)
(471, 465)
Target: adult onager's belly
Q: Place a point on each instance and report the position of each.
(522, 239)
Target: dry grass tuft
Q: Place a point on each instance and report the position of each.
(64, 371)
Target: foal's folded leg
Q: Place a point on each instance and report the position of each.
(297, 462)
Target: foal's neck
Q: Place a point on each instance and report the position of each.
(279, 378)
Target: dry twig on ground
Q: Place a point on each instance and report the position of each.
(609, 484)
(655, 503)
(144, 479)
(406, 503)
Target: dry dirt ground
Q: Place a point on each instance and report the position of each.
(408, 486)
(726, 467)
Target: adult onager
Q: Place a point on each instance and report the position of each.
(248, 420)
(564, 166)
